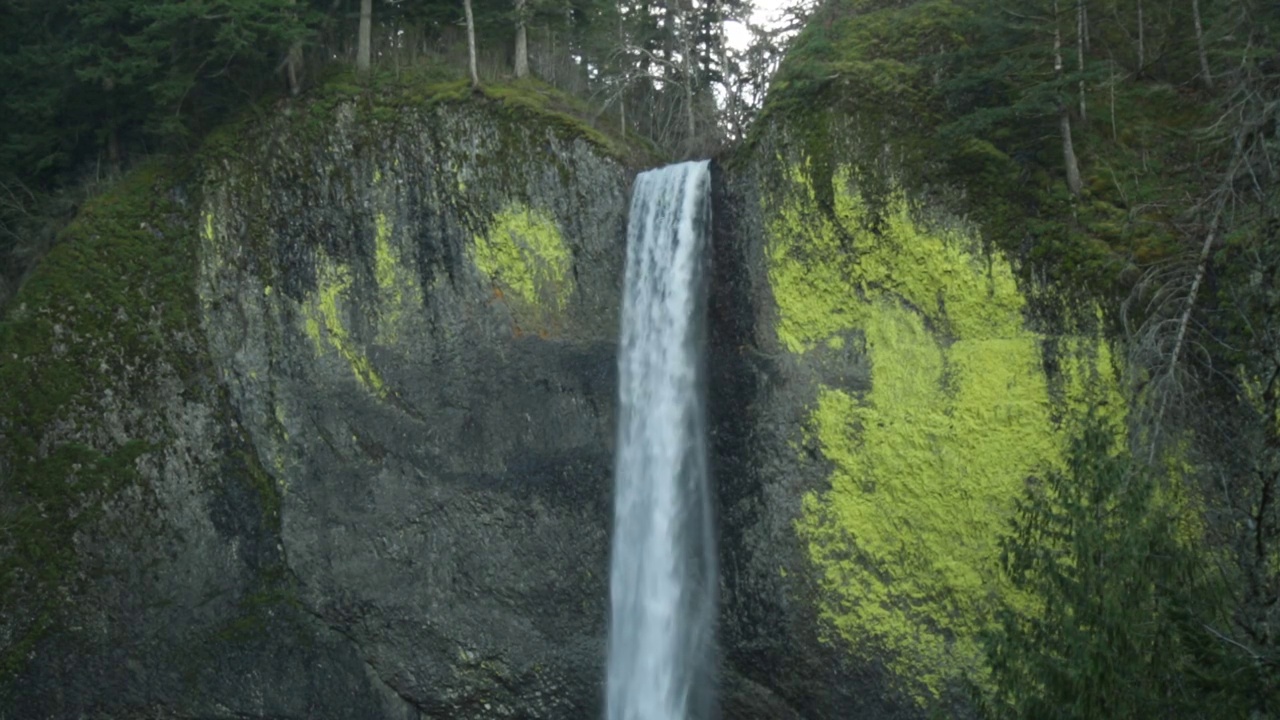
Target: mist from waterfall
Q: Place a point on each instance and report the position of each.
(663, 574)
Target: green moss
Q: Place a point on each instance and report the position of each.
(109, 306)
(526, 258)
(922, 94)
(560, 110)
(268, 490)
(398, 290)
(324, 314)
(258, 610)
(387, 288)
(386, 95)
(926, 465)
(822, 265)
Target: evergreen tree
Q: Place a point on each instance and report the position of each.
(1113, 598)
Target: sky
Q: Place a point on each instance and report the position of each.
(764, 12)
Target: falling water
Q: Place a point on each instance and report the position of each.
(663, 576)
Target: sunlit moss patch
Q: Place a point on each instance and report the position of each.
(525, 257)
(926, 464)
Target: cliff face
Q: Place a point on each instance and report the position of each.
(415, 323)
(321, 425)
(355, 460)
(894, 386)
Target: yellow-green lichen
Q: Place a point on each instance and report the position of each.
(927, 463)
(925, 466)
(821, 268)
(1253, 393)
(323, 314)
(398, 290)
(525, 257)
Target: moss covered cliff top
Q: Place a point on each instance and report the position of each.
(387, 96)
(958, 102)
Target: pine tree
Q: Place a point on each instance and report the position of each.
(1113, 598)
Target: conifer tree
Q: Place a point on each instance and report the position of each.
(1113, 598)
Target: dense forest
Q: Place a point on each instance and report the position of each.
(1126, 148)
(91, 87)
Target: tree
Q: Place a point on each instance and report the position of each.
(1110, 625)
(1064, 117)
(1142, 39)
(1209, 348)
(522, 41)
(363, 49)
(1082, 39)
(1013, 73)
(1206, 76)
(471, 44)
(293, 64)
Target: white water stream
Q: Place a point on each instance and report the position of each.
(663, 570)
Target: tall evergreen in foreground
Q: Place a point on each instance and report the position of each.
(1116, 600)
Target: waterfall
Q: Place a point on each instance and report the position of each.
(663, 574)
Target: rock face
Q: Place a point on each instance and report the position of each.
(376, 452)
(885, 386)
(431, 379)
(420, 343)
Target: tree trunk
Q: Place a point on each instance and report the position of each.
(1205, 74)
(1064, 119)
(1087, 38)
(113, 128)
(293, 62)
(1142, 45)
(363, 51)
(625, 79)
(1202, 265)
(669, 9)
(686, 50)
(1081, 31)
(1115, 134)
(293, 67)
(522, 41)
(1069, 153)
(113, 148)
(471, 44)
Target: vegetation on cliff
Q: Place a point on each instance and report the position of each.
(106, 314)
(95, 86)
(1104, 552)
(105, 335)
(1113, 149)
(928, 460)
(1120, 150)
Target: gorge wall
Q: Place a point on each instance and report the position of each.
(321, 425)
(892, 384)
(355, 461)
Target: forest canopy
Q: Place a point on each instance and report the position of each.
(93, 85)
